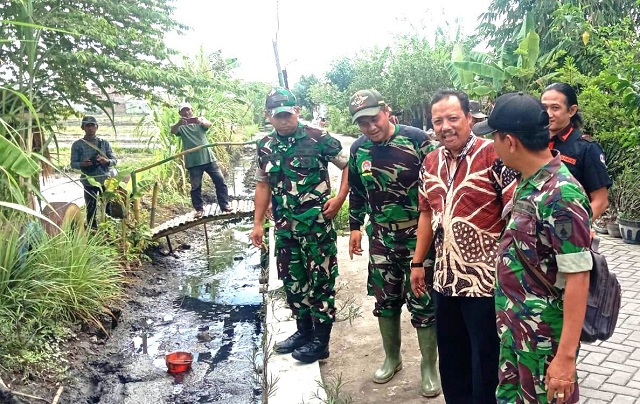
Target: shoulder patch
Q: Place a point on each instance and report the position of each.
(311, 131)
(563, 226)
(588, 138)
(334, 143)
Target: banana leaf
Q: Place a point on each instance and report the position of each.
(16, 160)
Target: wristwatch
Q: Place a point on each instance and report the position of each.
(417, 265)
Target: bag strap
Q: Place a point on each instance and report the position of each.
(535, 273)
(98, 148)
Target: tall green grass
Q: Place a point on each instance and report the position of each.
(48, 282)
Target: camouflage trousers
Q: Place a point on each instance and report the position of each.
(308, 267)
(521, 377)
(390, 253)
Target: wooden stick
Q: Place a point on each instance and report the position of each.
(4, 387)
(206, 237)
(58, 394)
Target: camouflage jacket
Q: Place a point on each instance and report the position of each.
(296, 169)
(550, 221)
(383, 177)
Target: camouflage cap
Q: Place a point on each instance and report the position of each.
(279, 100)
(365, 103)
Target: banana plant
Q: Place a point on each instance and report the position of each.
(15, 160)
(517, 68)
(627, 87)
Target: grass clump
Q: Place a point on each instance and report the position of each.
(46, 284)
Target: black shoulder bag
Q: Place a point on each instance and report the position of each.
(603, 300)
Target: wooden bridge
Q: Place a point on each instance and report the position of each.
(241, 208)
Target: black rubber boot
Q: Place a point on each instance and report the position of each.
(318, 348)
(298, 339)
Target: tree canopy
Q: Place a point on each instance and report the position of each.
(54, 51)
(564, 26)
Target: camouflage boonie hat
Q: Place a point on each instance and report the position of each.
(279, 100)
(365, 103)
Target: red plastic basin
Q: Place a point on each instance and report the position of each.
(178, 362)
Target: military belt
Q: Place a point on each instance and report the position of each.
(395, 226)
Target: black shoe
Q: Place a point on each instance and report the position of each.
(298, 339)
(316, 349)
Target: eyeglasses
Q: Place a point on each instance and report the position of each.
(87, 125)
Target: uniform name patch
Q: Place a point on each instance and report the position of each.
(524, 207)
(568, 159)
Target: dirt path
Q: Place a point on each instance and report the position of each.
(356, 348)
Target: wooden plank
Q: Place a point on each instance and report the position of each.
(241, 208)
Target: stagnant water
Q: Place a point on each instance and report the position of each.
(217, 316)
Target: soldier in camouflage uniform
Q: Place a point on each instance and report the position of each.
(293, 175)
(383, 180)
(548, 232)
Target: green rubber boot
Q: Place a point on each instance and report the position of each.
(391, 340)
(430, 386)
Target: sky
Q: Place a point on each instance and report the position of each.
(310, 34)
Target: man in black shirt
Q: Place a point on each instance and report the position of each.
(582, 155)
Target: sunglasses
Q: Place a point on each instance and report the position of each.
(86, 125)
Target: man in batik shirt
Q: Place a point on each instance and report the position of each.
(543, 260)
(463, 187)
(383, 180)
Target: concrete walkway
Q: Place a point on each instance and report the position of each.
(295, 382)
(609, 371)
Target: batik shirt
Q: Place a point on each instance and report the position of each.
(550, 222)
(383, 177)
(296, 169)
(465, 194)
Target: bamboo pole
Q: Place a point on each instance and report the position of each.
(134, 182)
(154, 203)
(57, 396)
(206, 237)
